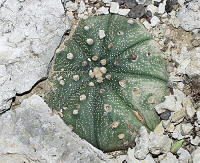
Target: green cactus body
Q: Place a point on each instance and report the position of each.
(106, 86)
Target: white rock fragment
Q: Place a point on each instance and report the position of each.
(186, 128)
(103, 11)
(70, 6)
(102, 34)
(91, 84)
(195, 155)
(103, 62)
(161, 7)
(114, 7)
(189, 16)
(159, 129)
(142, 144)
(30, 33)
(169, 103)
(195, 141)
(154, 21)
(178, 115)
(168, 158)
(198, 116)
(152, 8)
(81, 7)
(25, 138)
(62, 82)
(123, 12)
(131, 159)
(177, 133)
(159, 143)
(184, 155)
(147, 24)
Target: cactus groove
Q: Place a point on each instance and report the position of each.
(106, 81)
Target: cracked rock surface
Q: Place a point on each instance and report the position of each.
(30, 32)
(32, 133)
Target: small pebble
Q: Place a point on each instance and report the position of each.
(165, 115)
(114, 7)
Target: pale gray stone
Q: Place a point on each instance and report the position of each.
(189, 15)
(196, 155)
(142, 144)
(168, 158)
(30, 32)
(195, 141)
(159, 143)
(177, 133)
(32, 132)
(154, 21)
(70, 6)
(184, 155)
(186, 128)
(81, 7)
(114, 7)
(103, 11)
(131, 159)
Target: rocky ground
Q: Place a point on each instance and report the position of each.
(31, 31)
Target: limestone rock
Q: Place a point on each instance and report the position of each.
(159, 143)
(32, 133)
(189, 16)
(142, 144)
(195, 155)
(30, 33)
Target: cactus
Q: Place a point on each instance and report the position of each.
(106, 81)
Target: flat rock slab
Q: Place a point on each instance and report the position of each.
(32, 133)
(30, 32)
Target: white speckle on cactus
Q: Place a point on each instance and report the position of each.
(86, 28)
(115, 124)
(89, 41)
(122, 83)
(82, 97)
(62, 82)
(102, 34)
(91, 74)
(91, 84)
(103, 62)
(107, 108)
(70, 56)
(75, 112)
(103, 70)
(95, 58)
(121, 136)
(76, 77)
